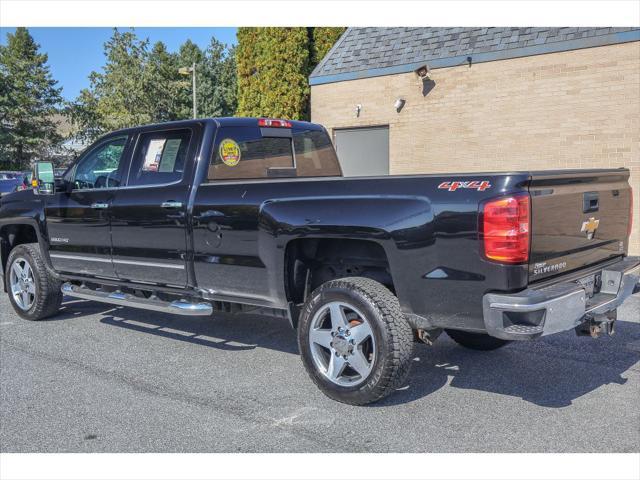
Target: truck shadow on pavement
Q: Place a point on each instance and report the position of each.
(74, 308)
(224, 332)
(550, 372)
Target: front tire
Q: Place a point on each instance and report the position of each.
(476, 341)
(354, 341)
(33, 292)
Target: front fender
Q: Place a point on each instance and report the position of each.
(24, 208)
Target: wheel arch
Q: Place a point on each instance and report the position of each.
(14, 234)
(311, 261)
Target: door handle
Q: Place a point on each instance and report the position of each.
(171, 204)
(99, 206)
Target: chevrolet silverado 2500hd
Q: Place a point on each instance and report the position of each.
(245, 214)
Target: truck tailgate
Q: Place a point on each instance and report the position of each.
(578, 218)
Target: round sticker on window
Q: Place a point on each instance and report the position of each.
(229, 152)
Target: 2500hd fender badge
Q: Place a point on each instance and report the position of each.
(479, 185)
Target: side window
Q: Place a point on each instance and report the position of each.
(243, 153)
(100, 168)
(160, 157)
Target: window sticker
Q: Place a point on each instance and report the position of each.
(153, 156)
(229, 152)
(169, 154)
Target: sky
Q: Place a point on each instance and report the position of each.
(75, 52)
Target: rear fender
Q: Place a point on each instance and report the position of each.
(392, 221)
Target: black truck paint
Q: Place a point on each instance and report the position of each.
(253, 241)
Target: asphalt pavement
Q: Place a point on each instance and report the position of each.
(98, 378)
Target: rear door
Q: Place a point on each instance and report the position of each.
(579, 218)
(78, 221)
(231, 255)
(149, 229)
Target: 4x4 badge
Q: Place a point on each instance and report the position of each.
(590, 227)
(479, 185)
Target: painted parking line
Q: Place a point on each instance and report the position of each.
(6, 323)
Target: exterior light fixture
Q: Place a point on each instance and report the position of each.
(398, 104)
(358, 108)
(423, 72)
(191, 71)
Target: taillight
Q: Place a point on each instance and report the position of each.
(505, 229)
(274, 123)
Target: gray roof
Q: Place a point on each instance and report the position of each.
(374, 51)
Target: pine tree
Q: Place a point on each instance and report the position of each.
(116, 96)
(217, 81)
(189, 54)
(163, 84)
(29, 99)
(140, 84)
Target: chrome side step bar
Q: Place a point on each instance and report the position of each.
(178, 307)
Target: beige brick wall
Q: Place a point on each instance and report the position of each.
(577, 109)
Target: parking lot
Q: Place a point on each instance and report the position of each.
(99, 378)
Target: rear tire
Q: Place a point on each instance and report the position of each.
(33, 292)
(476, 341)
(354, 340)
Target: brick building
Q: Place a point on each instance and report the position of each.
(494, 99)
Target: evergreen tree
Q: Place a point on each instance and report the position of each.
(323, 39)
(140, 84)
(273, 66)
(216, 90)
(189, 54)
(29, 99)
(246, 57)
(283, 67)
(163, 84)
(117, 96)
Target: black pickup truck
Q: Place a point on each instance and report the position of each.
(253, 215)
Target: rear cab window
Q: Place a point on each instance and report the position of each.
(248, 152)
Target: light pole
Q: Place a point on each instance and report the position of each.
(186, 71)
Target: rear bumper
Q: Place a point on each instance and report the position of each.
(562, 306)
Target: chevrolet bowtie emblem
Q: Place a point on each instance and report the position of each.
(590, 227)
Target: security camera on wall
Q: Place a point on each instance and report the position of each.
(423, 72)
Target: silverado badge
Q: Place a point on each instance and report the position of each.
(590, 227)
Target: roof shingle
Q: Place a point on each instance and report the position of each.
(364, 49)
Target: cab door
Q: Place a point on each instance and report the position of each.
(78, 220)
(148, 216)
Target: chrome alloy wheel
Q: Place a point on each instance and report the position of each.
(22, 283)
(342, 344)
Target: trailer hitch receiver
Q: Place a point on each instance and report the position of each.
(596, 325)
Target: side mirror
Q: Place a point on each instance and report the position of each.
(43, 179)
